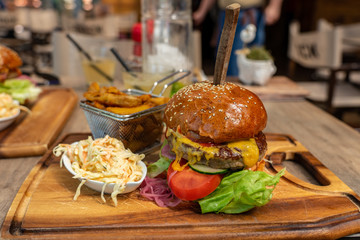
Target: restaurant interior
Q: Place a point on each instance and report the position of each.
(308, 14)
(113, 71)
(36, 45)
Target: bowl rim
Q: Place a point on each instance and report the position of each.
(66, 161)
(4, 119)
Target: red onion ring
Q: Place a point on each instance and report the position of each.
(157, 189)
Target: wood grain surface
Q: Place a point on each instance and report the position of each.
(33, 133)
(334, 143)
(279, 88)
(43, 207)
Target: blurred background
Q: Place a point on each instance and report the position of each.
(37, 30)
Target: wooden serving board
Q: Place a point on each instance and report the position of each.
(32, 134)
(43, 207)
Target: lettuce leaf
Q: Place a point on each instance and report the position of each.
(241, 191)
(20, 90)
(156, 168)
(17, 84)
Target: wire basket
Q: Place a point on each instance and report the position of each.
(139, 131)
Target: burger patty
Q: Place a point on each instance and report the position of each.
(225, 158)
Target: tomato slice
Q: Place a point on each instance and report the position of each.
(190, 185)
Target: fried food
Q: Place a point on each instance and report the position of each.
(136, 133)
(112, 99)
(98, 105)
(126, 111)
(159, 101)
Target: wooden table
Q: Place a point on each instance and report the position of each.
(277, 88)
(334, 143)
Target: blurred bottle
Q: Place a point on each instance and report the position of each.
(94, 22)
(136, 58)
(7, 18)
(107, 19)
(44, 19)
(166, 35)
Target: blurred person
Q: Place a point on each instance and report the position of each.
(257, 12)
(8, 6)
(200, 10)
(204, 15)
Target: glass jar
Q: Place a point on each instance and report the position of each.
(166, 35)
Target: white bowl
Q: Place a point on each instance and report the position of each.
(6, 121)
(255, 71)
(97, 185)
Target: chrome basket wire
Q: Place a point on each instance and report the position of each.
(141, 131)
(186, 73)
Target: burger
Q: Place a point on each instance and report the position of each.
(219, 126)
(10, 63)
(20, 87)
(214, 140)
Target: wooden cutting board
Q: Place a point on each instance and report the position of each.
(43, 207)
(32, 134)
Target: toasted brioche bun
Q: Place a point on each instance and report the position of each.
(9, 63)
(215, 113)
(9, 58)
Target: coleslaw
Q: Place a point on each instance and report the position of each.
(8, 107)
(103, 159)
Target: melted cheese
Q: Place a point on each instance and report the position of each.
(247, 148)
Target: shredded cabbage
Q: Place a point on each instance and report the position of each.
(8, 107)
(103, 159)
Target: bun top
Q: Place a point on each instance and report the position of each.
(215, 113)
(9, 58)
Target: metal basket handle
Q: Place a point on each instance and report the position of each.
(186, 73)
